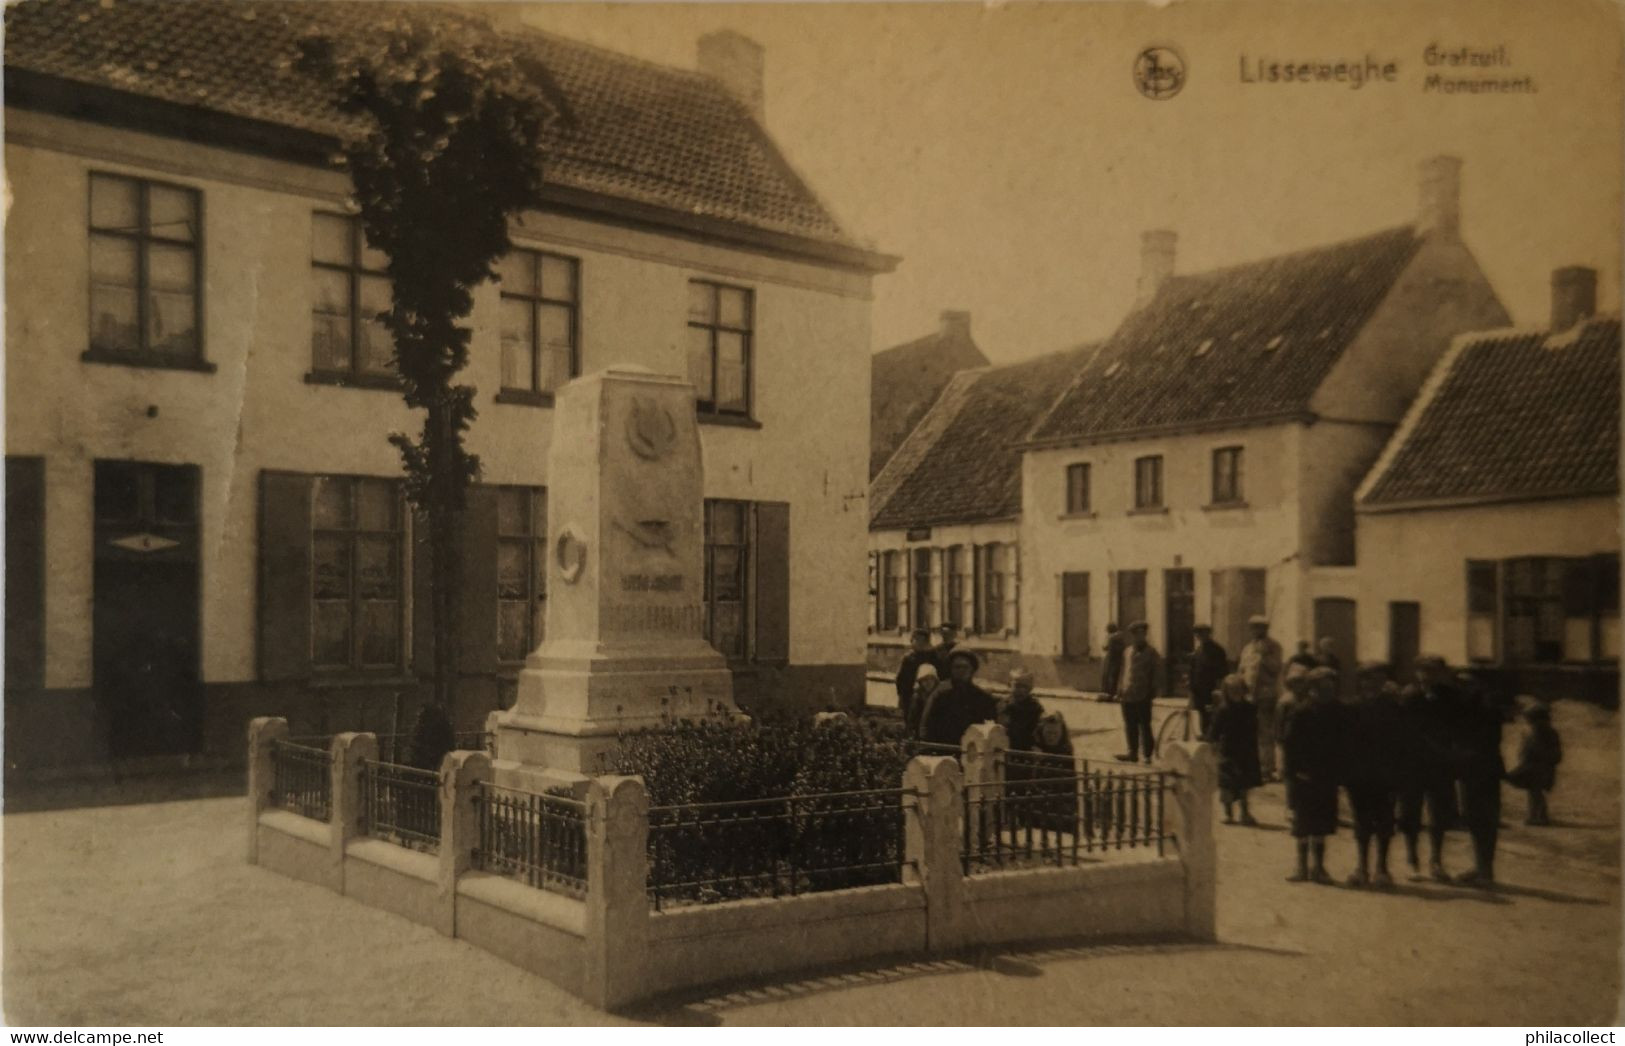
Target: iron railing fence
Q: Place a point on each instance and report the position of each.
(401, 805)
(302, 779)
(708, 852)
(1054, 810)
(540, 840)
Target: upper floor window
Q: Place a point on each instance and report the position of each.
(540, 319)
(1077, 489)
(145, 290)
(521, 570)
(358, 550)
(1227, 475)
(719, 347)
(1148, 482)
(347, 339)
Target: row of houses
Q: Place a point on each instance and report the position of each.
(204, 521)
(1347, 440)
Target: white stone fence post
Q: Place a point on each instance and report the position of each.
(1189, 819)
(263, 733)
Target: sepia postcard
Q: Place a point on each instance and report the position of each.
(804, 514)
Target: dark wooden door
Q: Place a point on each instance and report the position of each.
(1075, 615)
(145, 621)
(1334, 619)
(1179, 623)
(1404, 638)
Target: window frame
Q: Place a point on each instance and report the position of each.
(995, 573)
(746, 577)
(1079, 480)
(535, 396)
(1476, 612)
(708, 407)
(143, 240)
(1141, 502)
(1236, 495)
(355, 272)
(535, 567)
(355, 664)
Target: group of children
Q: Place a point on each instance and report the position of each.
(1430, 747)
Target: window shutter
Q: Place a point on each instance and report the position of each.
(422, 599)
(284, 590)
(1012, 615)
(25, 572)
(905, 602)
(772, 581)
(478, 610)
(978, 554)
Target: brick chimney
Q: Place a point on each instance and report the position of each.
(956, 323)
(1574, 296)
(735, 60)
(1156, 263)
(1439, 209)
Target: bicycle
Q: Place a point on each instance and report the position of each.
(1182, 724)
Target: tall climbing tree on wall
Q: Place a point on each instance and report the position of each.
(445, 125)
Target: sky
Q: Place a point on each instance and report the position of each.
(1004, 152)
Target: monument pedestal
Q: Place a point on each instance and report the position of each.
(625, 582)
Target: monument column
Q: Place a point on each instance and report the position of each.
(624, 648)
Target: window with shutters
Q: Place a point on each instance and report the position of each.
(921, 603)
(348, 343)
(1077, 489)
(1534, 610)
(357, 558)
(995, 581)
(891, 584)
(727, 576)
(521, 570)
(954, 570)
(1483, 610)
(720, 322)
(540, 323)
(1227, 476)
(145, 282)
(1148, 482)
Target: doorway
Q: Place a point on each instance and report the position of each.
(1179, 625)
(146, 615)
(1075, 615)
(1334, 619)
(1404, 638)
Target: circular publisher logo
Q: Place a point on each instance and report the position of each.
(1159, 72)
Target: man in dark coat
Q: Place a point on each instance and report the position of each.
(1020, 713)
(957, 704)
(1141, 680)
(1374, 767)
(945, 646)
(1434, 712)
(919, 653)
(1209, 665)
(1311, 748)
(1112, 670)
(1482, 768)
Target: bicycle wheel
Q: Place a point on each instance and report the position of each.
(1178, 726)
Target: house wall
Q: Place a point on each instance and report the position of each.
(255, 411)
(1421, 556)
(1264, 533)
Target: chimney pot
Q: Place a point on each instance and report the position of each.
(1439, 209)
(1574, 296)
(956, 321)
(736, 61)
(1157, 248)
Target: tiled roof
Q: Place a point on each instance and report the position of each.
(1249, 341)
(1510, 415)
(961, 463)
(656, 136)
(906, 379)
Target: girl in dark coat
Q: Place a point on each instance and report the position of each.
(1538, 755)
(1311, 744)
(1055, 784)
(1233, 730)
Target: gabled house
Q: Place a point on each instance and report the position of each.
(945, 512)
(205, 521)
(1488, 532)
(1201, 466)
(906, 379)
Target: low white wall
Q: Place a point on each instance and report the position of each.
(1115, 899)
(537, 931)
(393, 878)
(295, 846)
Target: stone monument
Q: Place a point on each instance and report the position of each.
(623, 647)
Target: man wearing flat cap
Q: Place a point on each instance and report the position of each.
(1141, 681)
(1209, 665)
(958, 703)
(1260, 665)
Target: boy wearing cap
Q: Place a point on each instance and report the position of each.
(957, 704)
(1142, 680)
(1209, 665)
(919, 653)
(1020, 713)
(1374, 768)
(1311, 742)
(1539, 752)
(945, 646)
(1433, 717)
(1233, 730)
